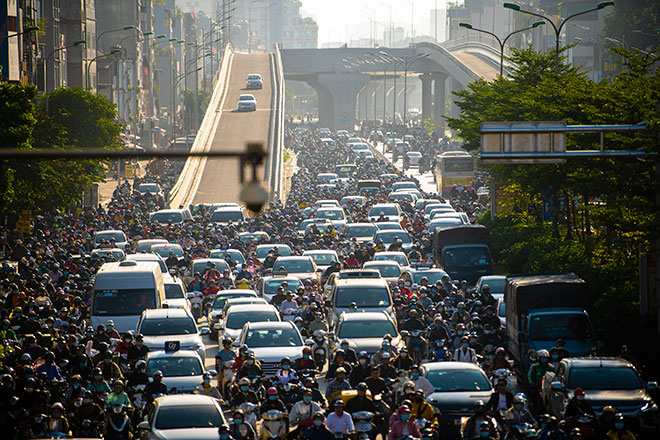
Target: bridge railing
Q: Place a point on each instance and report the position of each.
(273, 172)
(183, 191)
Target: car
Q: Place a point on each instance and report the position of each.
(267, 286)
(151, 188)
(399, 257)
(247, 103)
(325, 203)
(335, 215)
(327, 177)
(111, 254)
(389, 236)
(459, 215)
(175, 417)
(361, 232)
(145, 245)
(176, 296)
(112, 236)
(414, 157)
(215, 311)
(390, 270)
(443, 223)
(424, 203)
(414, 275)
(406, 184)
(240, 301)
(397, 196)
(170, 216)
(302, 267)
(457, 387)
(364, 331)
(358, 295)
(237, 315)
(320, 227)
(387, 226)
(159, 326)
(199, 266)
(322, 257)
(257, 237)
(496, 284)
(263, 249)
(302, 226)
(234, 255)
(605, 381)
(501, 311)
(440, 207)
(156, 259)
(254, 81)
(347, 274)
(164, 250)
(272, 341)
(390, 211)
(228, 214)
(182, 369)
(352, 201)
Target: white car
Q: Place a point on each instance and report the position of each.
(170, 216)
(322, 257)
(146, 244)
(182, 370)
(176, 417)
(301, 267)
(159, 326)
(247, 103)
(238, 315)
(397, 256)
(414, 157)
(113, 254)
(389, 236)
(391, 212)
(390, 270)
(176, 296)
(336, 215)
(118, 236)
(254, 81)
(272, 341)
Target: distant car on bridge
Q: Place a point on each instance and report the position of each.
(254, 81)
(247, 103)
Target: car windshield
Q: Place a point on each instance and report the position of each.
(388, 236)
(388, 226)
(145, 246)
(270, 286)
(362, 296)
(386, 210)
(220, 300)
(175, 366)
(496, 285)
(501, 312)
(246, 98)
(386, 270)
(330, 214)
(237, 320)
(554, 326)
(294, 266)
(184, 417)
(362, 231)
(166, 217)
(458, 380)
(401, 259)
(164, 251)
(323, 259)
(234, 256)
(432, 275)
(227, 216)
(116, 236)
(200, 266)
(125, 302)
(151, 187)
(604, 378)
(467, 257)
(284, 337)
(174, 291)
(168, 326)
(365, 329)
(442, 222)
(262, 252)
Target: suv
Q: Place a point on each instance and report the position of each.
(606, 381)
(271, 342)
(365, 331)
(365, 294)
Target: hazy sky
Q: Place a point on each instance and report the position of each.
(342, 20)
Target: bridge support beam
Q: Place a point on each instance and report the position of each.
(427, 97)
(455, 87)
(343, 89)
(439, 98)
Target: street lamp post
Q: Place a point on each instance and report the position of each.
(75, 43)
(557, 29)
(176, 82)
(27, 30)
(502, 43)
(112, 52)
(407, 66)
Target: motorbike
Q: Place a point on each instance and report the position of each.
(207, 303)
(428, 429)
(416, 344)
(288, 315)
(196, 305)
(289, 393)
(225, 377)
(249, 411)
(439, 352)
(274, 425)
(364, 427)
(319, 351)
(88, 429)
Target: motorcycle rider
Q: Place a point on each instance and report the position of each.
(109, 368)
(251, 367)
(306, 362)
(244, 394)
(118, 396)
(535, 376)
(361, 402)
(488, 317)
(578, 405)
(403, 361)
(404, 425)
(337, 385)
(465, 353)
(285, 374)
(350, 356)
(272, 402)
(156, 386)
(57, 422)
(318, 431)
(460, 316)
(518, 414)
(500, 400)
(619, 432)
(138, 350)
(118, 426)
(338, 363)
(377, 384)
(240, 430)
(206, 388)
(421, 409)
(340, 422)
(361, 370)
(471, 429)
(385, 347)
(438, 329)
(302, 413)
(387, 370)
(224, 433)
(318, 323)
(421, 383)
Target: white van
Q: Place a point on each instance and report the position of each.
(122, 291)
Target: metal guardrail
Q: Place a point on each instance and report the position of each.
(273, 169)
(184, 189)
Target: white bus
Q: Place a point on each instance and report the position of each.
(453, 168)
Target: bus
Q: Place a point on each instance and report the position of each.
(453, 168)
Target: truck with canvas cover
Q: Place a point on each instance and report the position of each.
(463, 251)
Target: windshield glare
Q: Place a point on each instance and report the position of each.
(467, 257)
(116, 236)
(273, 338)
(365, 329)
(458, 380)
(175, 366)
(227, 216)
(323, 259)
(432, 275)
(123, 302)
(270, 287)
(183, 417)
(362, 231)
(388, 237)
(362, 296)
(294, 266)
(220, 300)
(386, 210)
(262, 252)
(237, 320)
(401, 259)
(173, 291)
(165, 251)
(386, 270)
(330, 214)
(166, 217)
(604, 378)
(555, 326)
(200, 266)
(168, 326)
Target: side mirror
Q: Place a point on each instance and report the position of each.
(556, 386)
(522, 337)
(144, 425)
(319, 270)
(204, 331)
(212, 373)
(190, 295)
(652, 385)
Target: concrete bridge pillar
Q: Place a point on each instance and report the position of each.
(455, 87)
(427, 98)
(439, 97)
(343, 89)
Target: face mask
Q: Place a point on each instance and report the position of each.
(618, 425)
(299, 326)
(363, 362)
(519, 406)
(461, 333)
(318, 422)
(544, 360)
(238, 421)
(465, 345)
(484, 434)
(385, 346)
(307, 399)
(414, 375)
(272, 397)
(207, 381)
(555, 357)
(344, 347)
(405, 417)
(86, 401)
(477, 326)
(98, 377)
(250, 362)
(107, 361)
(580, 397)
(306, 356)
(286, 367)
(224, 436)
(83, 364)
(75, 385)
(56, 414)
(244, 389)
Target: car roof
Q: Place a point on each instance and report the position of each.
(185, 400)
(165, 313)
(247, 308)
(319, 251)
(158, 354)
(146, 256)
(366, 316)
(378, 282)
(293, 258)
(166, 245)
(436, 366)
(270, 325)
(380, 263)
(272, 245)
(583, 362)
(390, 253)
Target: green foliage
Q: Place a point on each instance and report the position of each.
(629, 15)
(604, 208)
(76, 119)
(203, 99)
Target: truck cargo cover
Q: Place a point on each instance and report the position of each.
(526, 292)
(461, 234)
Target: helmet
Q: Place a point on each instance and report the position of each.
(361, 386)
(118, 383)
(307, 350)
(57, 405)
(227, 341)
(272, 391)
(238, 412)
(519, 399)
(609, 409)
(26, 358)
(158, 373)
(543, 353)
(363, 355)
(500, 351)
(206, 375)
(285, 360)
(140, 364)
(244, 381)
